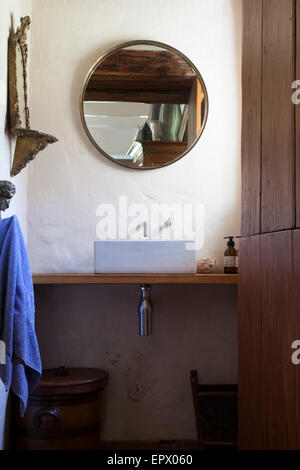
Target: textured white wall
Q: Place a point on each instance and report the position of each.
(195, 327)
(70, 178)
(8, 9)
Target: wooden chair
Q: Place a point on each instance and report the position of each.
(215, 409)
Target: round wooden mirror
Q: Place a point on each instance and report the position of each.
(144, 105)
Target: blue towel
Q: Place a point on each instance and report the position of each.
(22, 370)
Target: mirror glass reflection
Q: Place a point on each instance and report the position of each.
(143, 105)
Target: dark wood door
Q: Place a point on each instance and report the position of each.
(297, 117)
(278, 333)
(269, 285)
(296, 311)
(269, 323)
(268, 118)
(251, 116)
(250, 346)
(277, 203)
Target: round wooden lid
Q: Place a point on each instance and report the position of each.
(62, 381)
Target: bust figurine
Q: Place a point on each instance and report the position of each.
(7, 190)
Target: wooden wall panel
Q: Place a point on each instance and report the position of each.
(278, 333)
(250, 346)
(251, 116)
(269, 286)
(277, 205)
(296, 311)
(297, 117)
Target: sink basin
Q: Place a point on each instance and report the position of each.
(144, 256)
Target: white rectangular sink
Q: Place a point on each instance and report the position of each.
(144, 256)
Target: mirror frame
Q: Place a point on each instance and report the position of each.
(135, 43)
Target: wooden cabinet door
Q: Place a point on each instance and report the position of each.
(278, 113)
(297, 116)
(278, 333)
(251, 117)
(269, 322)
(296, 310)
(250, 378)
(271, 60)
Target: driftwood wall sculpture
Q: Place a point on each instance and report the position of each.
(29, 142)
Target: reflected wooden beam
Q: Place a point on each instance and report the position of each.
(141, 76)
(135, 96)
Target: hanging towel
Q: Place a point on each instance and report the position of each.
(22, 370)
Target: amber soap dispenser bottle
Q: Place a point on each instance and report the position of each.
(230, 257)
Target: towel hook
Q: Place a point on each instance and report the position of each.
(7, 190)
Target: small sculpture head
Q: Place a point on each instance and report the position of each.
(7, 191)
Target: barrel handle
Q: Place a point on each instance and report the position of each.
(47, 418)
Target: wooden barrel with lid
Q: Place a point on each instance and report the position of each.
(64, 412)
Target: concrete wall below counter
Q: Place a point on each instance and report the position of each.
(149, 396)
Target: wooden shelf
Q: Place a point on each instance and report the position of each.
(135, 278)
